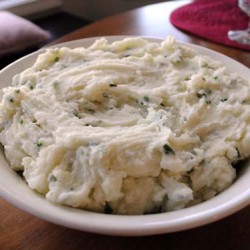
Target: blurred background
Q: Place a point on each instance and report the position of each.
(88, 9)
(57, 17)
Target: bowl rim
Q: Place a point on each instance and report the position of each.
(125, 225)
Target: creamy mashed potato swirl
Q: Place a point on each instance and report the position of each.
(129, 127)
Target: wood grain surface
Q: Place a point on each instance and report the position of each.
(19, 230)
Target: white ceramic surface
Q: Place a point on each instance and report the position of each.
(14, 189)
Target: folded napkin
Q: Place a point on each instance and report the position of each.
(17, 33)
(212, 20)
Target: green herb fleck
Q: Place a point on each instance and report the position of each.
(39, 144)
(207, 66)
(200, 95)
(31, 87)
(167, 149)
(224, 99)
(112, 85)
(203, 93)
(178, 61)
(11, 100)
(56, 59)
(215, 77)
(107, 208)
(17, 91)
(146, 98)
(21, 121)
(76, 114)
(208, 101)
(162, 104)
(52, 178)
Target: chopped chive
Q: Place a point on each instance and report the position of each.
(200, 95)
(11, 100)
(215, 77)
(146, 98)
(39, 144)
(224, 99)
(162, 104)
(204, 93)
(107, 208)
(52, 178)
(208, 101)
(207, 66)
(112, 85)
(168, 149)
(21, 121)
(76, 114)
(56, 59)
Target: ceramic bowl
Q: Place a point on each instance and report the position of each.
(15, 190)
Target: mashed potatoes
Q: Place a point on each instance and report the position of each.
(130, 127)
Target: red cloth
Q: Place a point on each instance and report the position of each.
(212, 19)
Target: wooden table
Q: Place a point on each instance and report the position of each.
(19, 230)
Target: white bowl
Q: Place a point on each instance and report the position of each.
(16, 191)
